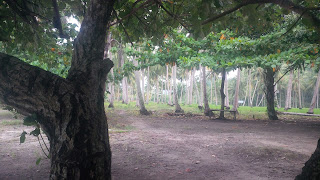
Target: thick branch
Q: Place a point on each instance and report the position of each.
(29, 89)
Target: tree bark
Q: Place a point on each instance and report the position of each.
(315, 92)
(70, 111)
(289, 90)
(205, 97)
(223, 96)
(311, 170)
(269, 84)
(142, 84)
(236, 94)
(111, 90)
(175, 94)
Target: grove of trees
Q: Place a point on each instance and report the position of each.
(167, 51)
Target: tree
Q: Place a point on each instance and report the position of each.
(289, 90)
(70, 111)
(223, 96)
(315, 93)
(175, 94)
(205, 96)
(236, 94)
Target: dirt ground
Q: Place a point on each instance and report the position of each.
(179, 147)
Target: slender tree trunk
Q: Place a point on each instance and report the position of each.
(201, 86)
(181, 93)
(250, 88)
(111, 89)
(314, 97)
(211, 89)
(247, 90)
(215, 89)
(226, 92)
(269, 84)
(205, 97)
(261, 99)
(148, 85)
(223, 96)
(254, 92)
(289, 90)
(175, 94)
(191, 86)
(236, 94)
(157, 90)
(276, 91)
(142, 84)
(137, 75)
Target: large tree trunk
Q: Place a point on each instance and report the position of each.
(223, 96)
(140, 100)
(236, 94)
(311, 170)
(205, 97)
(269, 84)
(315, 92)
(289, 90)
(70, 111)
(175, 94)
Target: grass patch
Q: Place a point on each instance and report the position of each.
(11, 122)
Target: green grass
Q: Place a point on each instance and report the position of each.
(245, 112)
(11, 122)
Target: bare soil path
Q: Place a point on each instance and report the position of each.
(168, 147)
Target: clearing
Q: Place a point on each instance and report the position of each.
(178, 147)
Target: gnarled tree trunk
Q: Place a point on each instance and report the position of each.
(70, 111)
(269, 83)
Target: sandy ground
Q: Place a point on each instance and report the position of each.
(171, 147)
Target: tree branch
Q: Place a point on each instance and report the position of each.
(31, 90)
(286, 4)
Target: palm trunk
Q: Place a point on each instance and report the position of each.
(299, 90)
(226, 92)
(315, 92)
(175, 94)
(148, 85)
(201, 86)
(191, 86)
(157, 90)
(197, 92)
(205, 97)
(211, 89)
(269, 84)
(215, 89)
(236, 94)
(249, 88)
(223, 96)
(142, 84)
(254, 92)
(140, 100)
(289, 90)
(111, 90)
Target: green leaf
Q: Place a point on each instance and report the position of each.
(38, 161)
(35, 132)
(30, 120)
(23, 137)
